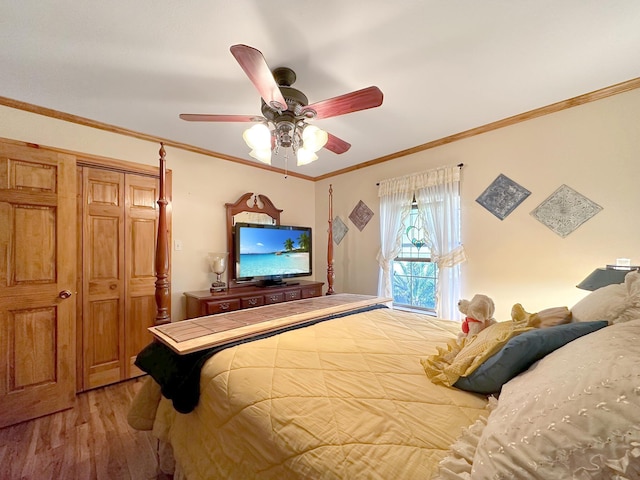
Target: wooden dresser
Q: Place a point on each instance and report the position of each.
(203, 302)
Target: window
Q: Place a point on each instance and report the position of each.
(415, 277)
(437, 193)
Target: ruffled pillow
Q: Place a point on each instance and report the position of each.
(549, 317)
(615, 303)
(574, 414)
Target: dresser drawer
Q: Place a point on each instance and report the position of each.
(250, 302)
(275, 297)
(292, 295)
(312, 291)
(221, 306)
(205, 302)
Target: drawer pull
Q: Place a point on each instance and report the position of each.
(253, 301)
(274, 298)
(224, 306)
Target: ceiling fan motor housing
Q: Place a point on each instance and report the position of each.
(287, 121)
(296, 101)
(284, 76)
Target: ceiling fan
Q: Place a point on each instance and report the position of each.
(286, 111)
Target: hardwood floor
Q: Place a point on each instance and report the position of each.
(90, 441)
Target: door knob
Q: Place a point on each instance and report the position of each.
(64, 294)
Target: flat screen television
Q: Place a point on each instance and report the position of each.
(269, 253)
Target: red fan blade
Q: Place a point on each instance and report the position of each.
(256, 68)
(200, 117)
(351, 102)
(336, 145)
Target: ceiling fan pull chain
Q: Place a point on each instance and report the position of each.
(286, 164)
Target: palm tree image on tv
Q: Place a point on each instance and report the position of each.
(303, 243)
(288, 244)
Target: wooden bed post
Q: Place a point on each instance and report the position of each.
(162, 250)
(330, 273)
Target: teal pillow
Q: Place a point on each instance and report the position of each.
(519, 353)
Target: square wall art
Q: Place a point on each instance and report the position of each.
(361, 215)
(503, 196)
(565, 210)
(338, 230)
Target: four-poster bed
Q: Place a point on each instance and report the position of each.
(347, 397)
(163, 286)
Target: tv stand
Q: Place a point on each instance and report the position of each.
(271, 283)
(202, 303)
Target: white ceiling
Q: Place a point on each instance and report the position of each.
(444, 66)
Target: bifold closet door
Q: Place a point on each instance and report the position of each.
(141, 234)
(104, 281)
(119, 230)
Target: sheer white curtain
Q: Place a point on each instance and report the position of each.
(395, 203)
(437, 193)
(438, 196)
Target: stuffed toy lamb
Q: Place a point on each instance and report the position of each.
(478, 315)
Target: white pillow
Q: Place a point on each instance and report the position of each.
(574, 414)
(614, 303)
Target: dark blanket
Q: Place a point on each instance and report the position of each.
(179, 375)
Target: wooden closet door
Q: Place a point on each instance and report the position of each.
(103, 250)
(141, 226)
(37, 282)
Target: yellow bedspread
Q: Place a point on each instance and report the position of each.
(342, 399)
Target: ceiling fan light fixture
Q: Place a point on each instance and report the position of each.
(262, 154)
(305, 156)
(258, 137)
(313, 138)
(285, 112)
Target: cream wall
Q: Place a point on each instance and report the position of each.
(201, 187)
(593, 148)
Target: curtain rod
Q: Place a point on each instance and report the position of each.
(460, 165)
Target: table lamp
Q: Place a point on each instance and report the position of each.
(218, 264)
(601, 277)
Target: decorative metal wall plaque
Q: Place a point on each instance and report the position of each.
(361, 215)
(565, 210)
(339, 230)
(502, 196)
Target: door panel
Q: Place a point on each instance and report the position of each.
(142, 227)
(32, 366)
(103, 277)
(37, 264)
(103, 338)
(34, 259)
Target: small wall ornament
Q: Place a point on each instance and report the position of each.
(565, 210)
(361, 215)
(502, 196)
(339, 230)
